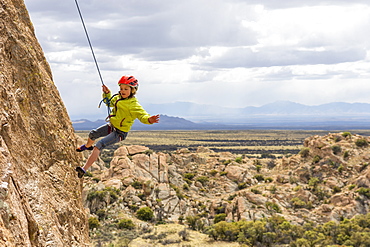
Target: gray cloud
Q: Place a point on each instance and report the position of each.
(284, 56)
(186, 50)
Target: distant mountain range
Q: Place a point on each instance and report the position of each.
(278, 115)
(279, 108)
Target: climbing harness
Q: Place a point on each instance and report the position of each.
(105, 100)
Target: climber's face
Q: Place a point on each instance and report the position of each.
(124, 90)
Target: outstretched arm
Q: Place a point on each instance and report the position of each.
(154, 119)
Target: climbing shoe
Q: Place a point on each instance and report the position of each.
(80, 171)
(83, 148)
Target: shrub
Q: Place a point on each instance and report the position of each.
(239, 159)
(273, 207)
(336, 189)
(258, 168)
(203, 179)
(242, 186)
(336, 149)
(351, 187)
(219, 217)
(223, 173)
(189, 176)
(213, 172)
(102, 214)
(337, 138)
(137, 185)
(185, 187)
(93, 222)
(101, 195)
(126, 224)
(361, 143)
(194, 222)
(297, 203)
(316, 159)
(259, 177)
(364, 192)
(226, 162)
(340, 168)
(304, 152)
(269, 180)
(346, 154)
(145, 213)
(231, 197)
(256, 191)
(345, 134)
(313, 182)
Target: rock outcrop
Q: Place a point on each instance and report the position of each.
(327, 181)
(40, 198)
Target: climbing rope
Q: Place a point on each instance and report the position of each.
(105, 100)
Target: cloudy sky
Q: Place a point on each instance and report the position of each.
(233, 53)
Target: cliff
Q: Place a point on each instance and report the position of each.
(40, 195)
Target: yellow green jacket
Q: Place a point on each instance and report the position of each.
(125, 111)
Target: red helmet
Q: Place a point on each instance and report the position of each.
(129, 80)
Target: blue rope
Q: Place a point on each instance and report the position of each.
(88, 39)
(105, 100)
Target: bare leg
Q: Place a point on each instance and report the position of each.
(92, 158)
(89, 143)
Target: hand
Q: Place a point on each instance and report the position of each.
(105, 89)
(154, 119)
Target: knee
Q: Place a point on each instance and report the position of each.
(92, 134)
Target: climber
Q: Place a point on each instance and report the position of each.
(125, 109)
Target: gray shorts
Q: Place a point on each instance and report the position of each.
(112, 135)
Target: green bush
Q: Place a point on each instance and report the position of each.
(219, 217)
(137, 185)
(145, 213)
(304, 152)
(203, 179)
(213, 172)
(316, 159)
(269, 180)
(189, 176)
(364, 192)
(313, 182)
(258, 168)
(297, 203)
(239, 159)
(336, 149)
(277, 231)
(273, 207)
(93, 222)
(259, 177)
(126, 224)
(336, 189)
(361, 143)
(346, 154)
(102, 195)
(345, 134)
(242, 185)
(195, 222)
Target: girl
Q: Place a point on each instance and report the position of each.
(126, 109)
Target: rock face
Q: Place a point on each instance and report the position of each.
(40, 198)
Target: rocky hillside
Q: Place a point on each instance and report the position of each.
(40, 195)
(328, 180)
